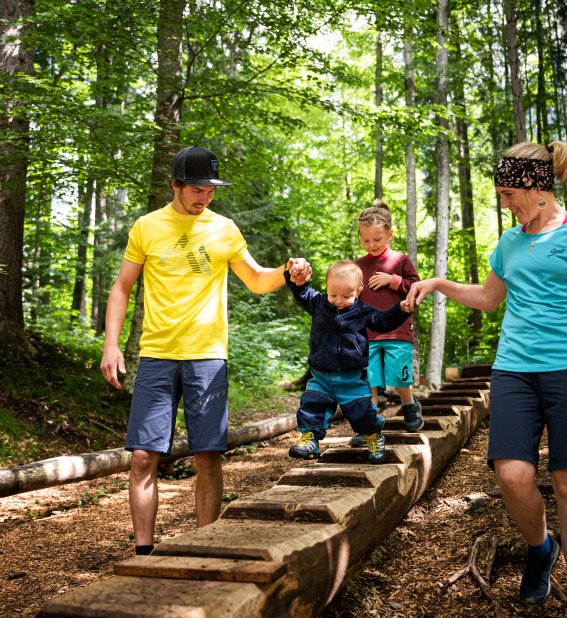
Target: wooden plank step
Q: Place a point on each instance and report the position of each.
(438, 410)
(476, 371)
(464, 392)
(312, 504)
(443, 401)
(396, 423)
(465, 385)
(215, 569)
(349, 455)
(249, 538)
(146, 597)
(327, 475)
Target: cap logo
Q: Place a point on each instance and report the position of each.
(215, 181)
(215, 165)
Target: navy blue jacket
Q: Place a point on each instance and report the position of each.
(338, 340)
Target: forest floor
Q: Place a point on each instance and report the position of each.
(56, 539)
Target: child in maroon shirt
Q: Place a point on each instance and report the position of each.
(387, 277)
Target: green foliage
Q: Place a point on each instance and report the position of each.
(263, 352)
(47, 407)
(286, 94)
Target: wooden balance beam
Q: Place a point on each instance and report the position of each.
(287, 551)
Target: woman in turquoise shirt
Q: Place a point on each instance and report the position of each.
(528, 388)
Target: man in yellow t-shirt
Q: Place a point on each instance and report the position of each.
(184, 250)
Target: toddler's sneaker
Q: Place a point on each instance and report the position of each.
(413, 419)
(358, 441)
(307, 447)
(376, 448)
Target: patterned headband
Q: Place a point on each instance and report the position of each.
(520, 173)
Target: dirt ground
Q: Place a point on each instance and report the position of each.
(56, 539)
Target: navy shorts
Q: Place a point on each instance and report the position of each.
(521, 405)
(158, 389)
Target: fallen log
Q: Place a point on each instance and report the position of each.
(86, 466)
(316, 526)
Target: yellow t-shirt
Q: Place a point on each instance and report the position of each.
(185, 260)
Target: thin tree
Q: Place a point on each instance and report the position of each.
(166, 143)
(541, 96)
(16, 58)
(411, 182)
(513, 56)
(466, 188)
(378, 96)
(439, 317)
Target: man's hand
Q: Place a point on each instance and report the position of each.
(112, 362)
(299, 270)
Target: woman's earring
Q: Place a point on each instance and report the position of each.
(541, 203)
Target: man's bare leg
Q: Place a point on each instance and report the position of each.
(143, 493)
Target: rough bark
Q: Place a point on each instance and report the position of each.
(513, 57)
(15, 57)
(541, 37)
(166, 143)
(466, 195)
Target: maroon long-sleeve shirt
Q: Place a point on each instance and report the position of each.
(399, 265)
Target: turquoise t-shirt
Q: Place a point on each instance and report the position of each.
(533, 335)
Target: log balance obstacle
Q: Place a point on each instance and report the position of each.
(285, 552)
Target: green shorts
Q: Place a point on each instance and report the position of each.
(390, 363)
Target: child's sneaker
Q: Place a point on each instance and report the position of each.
(307, 447)
(358, 441)
(413, 419)
(376, 448)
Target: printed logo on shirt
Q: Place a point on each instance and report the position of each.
(556, 252)
(182, 258)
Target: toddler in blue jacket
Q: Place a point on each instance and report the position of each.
(338, 357)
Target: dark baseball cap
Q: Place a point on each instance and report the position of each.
(197, 166)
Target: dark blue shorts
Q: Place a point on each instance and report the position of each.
(521, 406)
(158, 389)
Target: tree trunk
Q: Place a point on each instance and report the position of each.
(493, 126)
(171, 28)
(559, 83)
(15, 57)
(541, 97)
(379, 161)
(466, 192)
(439, 317)
(411, 184)
(99, 249)
(73, 468)
(84, 221)
(514, 64)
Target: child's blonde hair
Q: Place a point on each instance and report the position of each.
(344, 269)
(378, 214)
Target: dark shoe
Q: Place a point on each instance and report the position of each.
(358, 441)
(307, 447)
(376, 448)
(413, 420)
(536, 580)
